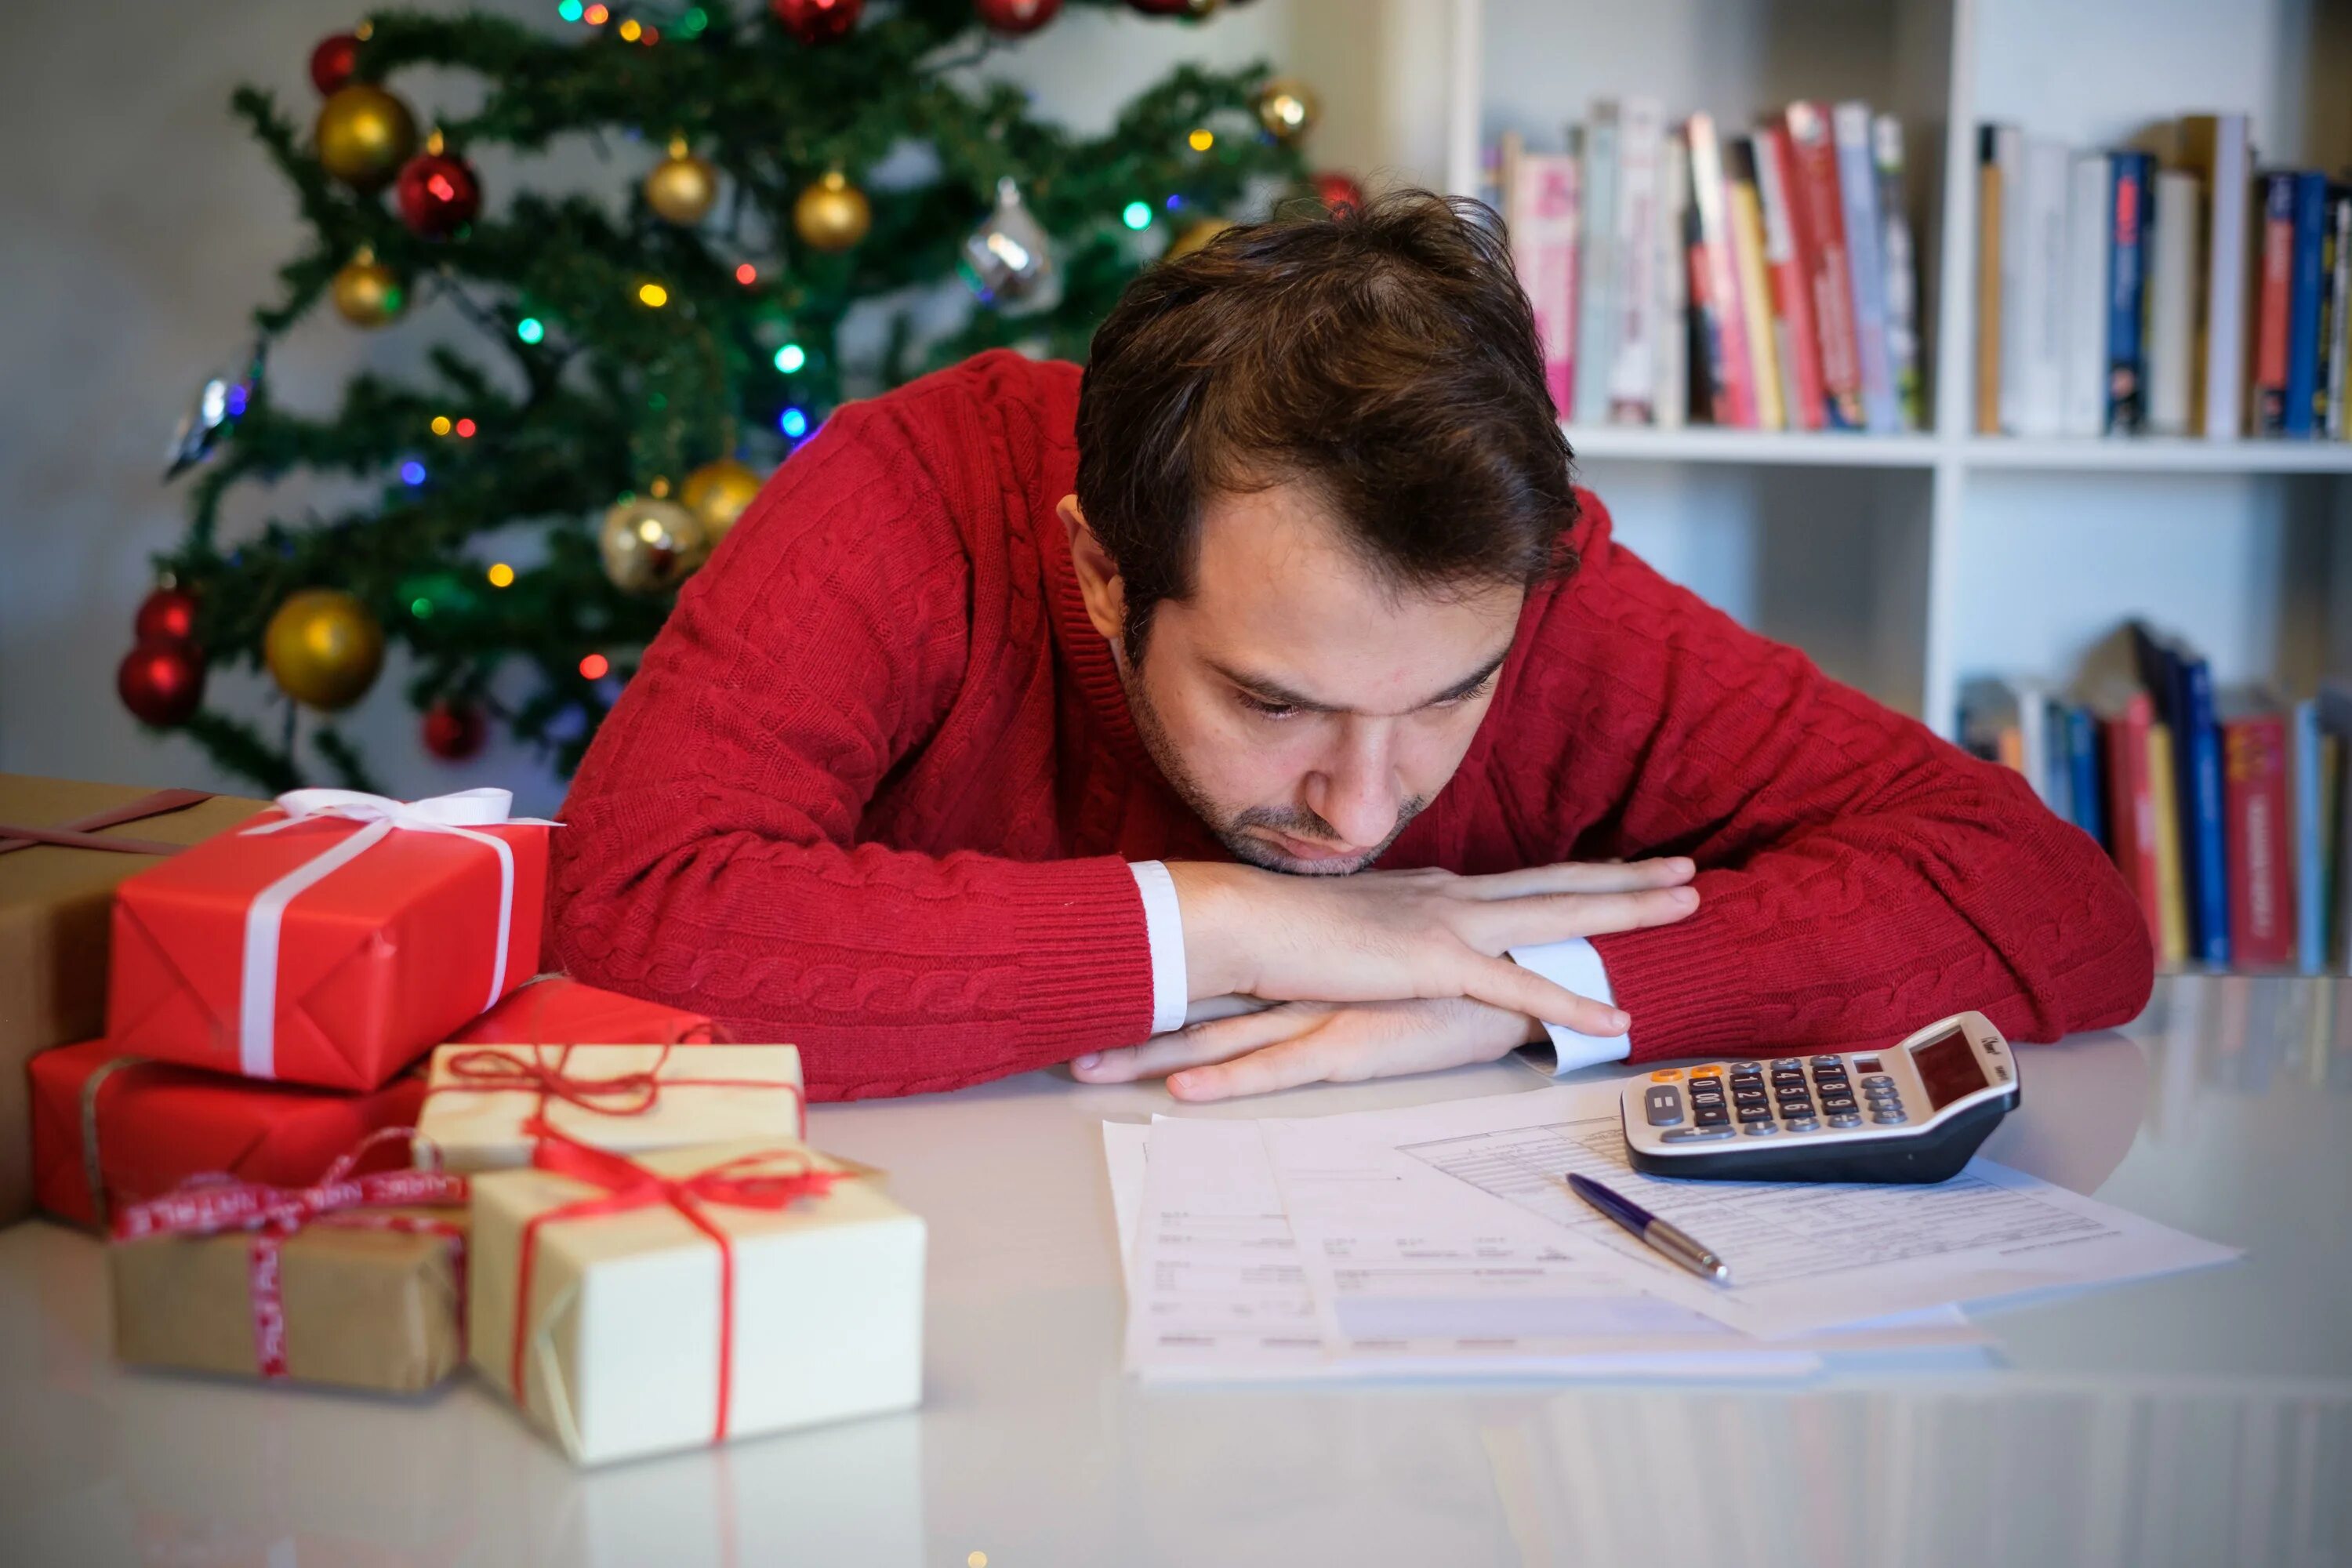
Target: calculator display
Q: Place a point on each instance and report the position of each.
(1948, 1065)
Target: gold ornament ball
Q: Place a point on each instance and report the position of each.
(1287, 108)
(833, 213)
(324, 648)
(716, 493)
(1197, 235)
(367, 293)
(364, 135)
(649, 544)
(681, 187)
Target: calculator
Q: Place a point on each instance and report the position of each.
(1914, 1112)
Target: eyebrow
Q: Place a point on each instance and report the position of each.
(1268, 690)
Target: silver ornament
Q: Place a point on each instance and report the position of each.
(219, 404)
(1009, 259)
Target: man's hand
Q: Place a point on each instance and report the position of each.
(1314, 1042)
(1384, 936)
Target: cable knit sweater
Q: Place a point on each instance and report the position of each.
(874, 788)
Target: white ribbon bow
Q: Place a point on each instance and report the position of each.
(379, 816)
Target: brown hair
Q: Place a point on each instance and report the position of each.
(1385, 356)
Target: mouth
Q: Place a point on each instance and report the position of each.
(1309, 852)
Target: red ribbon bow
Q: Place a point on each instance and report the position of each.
(750, 1181)
(492, 1070)
(209, 1204)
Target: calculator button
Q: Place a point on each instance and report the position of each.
(1663, 1105)
(1838, 1104)
(1784, 1063)
(1878, 1081)
(1758, 1129)
(1713, 1116)
(1667, 1075)
(1710, 1080)
(1828, 1062)
(1887, 1118)
(1802, 1124)
(1694, 1134)
(1844, 1119)
(1749, 1114)
(1706, 1103)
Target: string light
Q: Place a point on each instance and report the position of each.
(653, 36)
(500, 574)
(653, 295)
(598, 16)
(694, 21)
(630, 30)
(790, 358)
(1136, 214)
(440, 425)
(236, 401)
(466, 430)
(793, 422)
(596, 666)
(1202, 140)
(412, 472)
(420, 607)
(569, 10)
(530, 328)
(747, 274)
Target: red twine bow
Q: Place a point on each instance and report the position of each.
(490, 1070)
(209, 1204)
(748, 1181)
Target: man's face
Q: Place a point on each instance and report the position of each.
(1302, 708)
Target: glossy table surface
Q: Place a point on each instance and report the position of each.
(2199, 1419)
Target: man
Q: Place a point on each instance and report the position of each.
(1021, 715)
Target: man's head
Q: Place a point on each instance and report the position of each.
(1319, 469)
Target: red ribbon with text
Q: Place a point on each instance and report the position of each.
(751, 1181)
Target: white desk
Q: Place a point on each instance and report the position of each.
(2203, 1419)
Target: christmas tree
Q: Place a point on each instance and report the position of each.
(643, 360)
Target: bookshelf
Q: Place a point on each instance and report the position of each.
(1908, 564)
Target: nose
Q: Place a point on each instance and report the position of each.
(1357, 790)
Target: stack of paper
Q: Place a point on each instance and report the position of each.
(1443, 1240)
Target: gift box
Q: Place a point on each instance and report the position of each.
(333, 941)
(629, 1099)
(109, 1129)
(54, 892)
(693, 1295)
(358, 1281)
(557, 1010)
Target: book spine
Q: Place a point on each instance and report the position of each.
(2090, 777)
(2057, 764)
(2086, 297)
(2303, 303)
(1815, 192)
(1671, 406)
(2033, 734)
(1632, 382)
(1712, 267)
(1792, 308)
(2164, 805)
(2335, 322)
(2205, 873)
(1901, 260)
(2310, 876)
(1989, 197)
(1765, 331)
(2223, 156)
(2173, 304)
(2270, 311)
(2039, 307)
(2016, 245)
(2131, 810)
(1596, 320)
(2262, 911)
(1543, 228)
(2127, 289)
(1858, 190)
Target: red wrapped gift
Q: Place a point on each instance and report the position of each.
(331, 941)
(110, 1128)
(557, 1010)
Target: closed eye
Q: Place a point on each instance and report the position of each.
(1267, 709)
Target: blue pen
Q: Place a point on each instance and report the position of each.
(1676, 1244)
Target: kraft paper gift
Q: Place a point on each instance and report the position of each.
(693, 1295)
(626, 1098)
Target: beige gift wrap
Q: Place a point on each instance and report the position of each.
(640, 1332)
(629, 1099)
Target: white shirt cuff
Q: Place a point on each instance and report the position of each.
(1576, 964)
(1163, 925)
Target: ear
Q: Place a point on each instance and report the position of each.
(1098, 578)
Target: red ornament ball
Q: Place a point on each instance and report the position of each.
(332, 61)
(439, 195)
(1015, 17)
(1336, 190)
(454, 731)
(167, 615)
(162, 681)
(1175, 7)
(816, 22)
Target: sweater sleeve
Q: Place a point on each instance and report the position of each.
(710, 857)
(1859, 876)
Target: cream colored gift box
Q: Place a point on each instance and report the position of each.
(622, 1344)
(629, 1099)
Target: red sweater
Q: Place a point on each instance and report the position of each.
(874, 788)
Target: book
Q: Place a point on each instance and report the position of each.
(2085, 306)
(2130, 173)
(2258, 862)
(2305, 773)
(2215, 149)
(1989, 327)
(2088, 760)
(2311, 224)
(2334, 340)
(1797, 340)
(1596, 313)
(1714, 293)
(2057, 787)
(1670, 404)
(1858, 191)
(2131, 806)
(1543, 223)
(2275, 252)
(2335, 702)
(2173, 304)
(1900, 259)
(2181, 684)
(1632, 382)
(2172, 898)
(2033, 317)
(1812, 151)
(1764, 329)
(2009, 154)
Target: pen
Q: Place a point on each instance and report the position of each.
(1676, 1244)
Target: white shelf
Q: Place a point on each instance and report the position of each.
(1711, 444)
(1983, 454)
(2157, 455)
